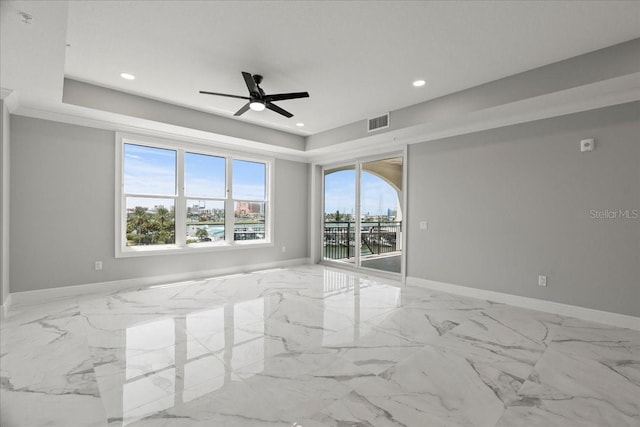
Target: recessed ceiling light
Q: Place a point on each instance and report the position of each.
(419, 83)
(127, 76)
(299, 124)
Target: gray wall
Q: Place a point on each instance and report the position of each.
(62, 215)
(4, 202)
(508, 204)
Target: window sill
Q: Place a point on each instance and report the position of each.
(138, 251)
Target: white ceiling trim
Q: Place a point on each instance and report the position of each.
(10, 99)
(119, 123)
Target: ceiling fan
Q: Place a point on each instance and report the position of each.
(258, 100)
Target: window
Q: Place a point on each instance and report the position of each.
(178, 197)
(249, 199)
(150, 195)
(205, 189)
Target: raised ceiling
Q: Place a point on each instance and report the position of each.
(356, 59)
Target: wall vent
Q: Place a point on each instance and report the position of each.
(376, 123)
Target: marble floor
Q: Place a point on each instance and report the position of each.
(310, 346)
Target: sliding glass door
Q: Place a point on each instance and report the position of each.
(363, 214)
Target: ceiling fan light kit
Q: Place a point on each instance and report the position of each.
(256, 106)
(257, 99)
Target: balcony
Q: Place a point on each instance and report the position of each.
(380, 243)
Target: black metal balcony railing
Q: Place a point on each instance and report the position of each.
(216, 232)
(375, 238)
(253, 232)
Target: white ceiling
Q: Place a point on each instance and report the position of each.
(356, 59)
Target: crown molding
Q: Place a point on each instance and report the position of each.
(10, 98)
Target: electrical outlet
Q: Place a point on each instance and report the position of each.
(424, 225)
(98, 265)
(542, 280)
(284, 249)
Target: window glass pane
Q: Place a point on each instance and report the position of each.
(249, 180)
(248, 220)
(149, 170)
(150, 221)
(340, 195)
(204, 175)
(205, 221)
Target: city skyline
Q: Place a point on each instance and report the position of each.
(377, 196)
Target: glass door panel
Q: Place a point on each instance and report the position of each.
(339, 235)
(381, 214)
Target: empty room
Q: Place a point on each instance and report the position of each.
(320, 213)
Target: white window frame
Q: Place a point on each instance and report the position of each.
(180, 246)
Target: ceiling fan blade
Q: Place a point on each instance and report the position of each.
(278, 110)
(243, 110)
(224, 94)
(283, 96)
(251, 84)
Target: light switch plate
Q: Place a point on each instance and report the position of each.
(587, 144)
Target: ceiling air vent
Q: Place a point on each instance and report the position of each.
(380, 122)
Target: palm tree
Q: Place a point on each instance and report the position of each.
(161, 237)
(138, 223)
(161, 227)
(163, 216)
(202, 233)
(172, 230)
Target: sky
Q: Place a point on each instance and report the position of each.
(376, 194)
(149, 170)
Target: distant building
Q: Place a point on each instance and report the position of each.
(248, 208)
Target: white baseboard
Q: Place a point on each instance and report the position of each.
(4, 308)
(589, 314)
(48, 295)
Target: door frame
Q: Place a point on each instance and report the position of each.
(318, 238)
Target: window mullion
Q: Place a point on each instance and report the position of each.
(267, 203)
(228, 205)
(121, 205)
(181, 202)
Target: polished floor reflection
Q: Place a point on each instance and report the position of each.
(310, 346)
